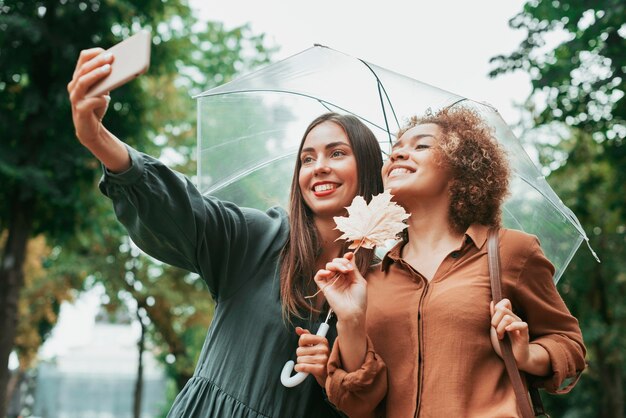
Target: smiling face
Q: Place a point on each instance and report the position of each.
(328, 174)
(413, 170)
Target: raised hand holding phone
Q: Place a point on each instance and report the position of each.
(131, 58)
(97, 73)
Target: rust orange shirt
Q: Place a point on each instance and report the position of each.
(429, 349)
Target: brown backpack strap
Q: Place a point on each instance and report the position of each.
(493, 253)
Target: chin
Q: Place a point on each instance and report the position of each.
(393, 189)
(398, 193)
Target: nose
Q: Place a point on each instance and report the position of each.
(321, 166)
(398, 153)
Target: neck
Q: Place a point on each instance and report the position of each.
(430, 226)
(327, 235)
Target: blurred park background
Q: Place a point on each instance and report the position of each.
(141, 323)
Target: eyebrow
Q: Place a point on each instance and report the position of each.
(328, 146)
(415, 138)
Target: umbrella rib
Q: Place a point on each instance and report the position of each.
(381, 85)
(251, 74)
(568, 215)
(462, 99)
(324, 104)
(297, 94)
(244, 173)
(382, 105)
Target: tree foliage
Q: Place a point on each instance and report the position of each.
(47, 179)
(574, 53)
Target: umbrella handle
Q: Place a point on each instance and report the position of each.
(285, 376)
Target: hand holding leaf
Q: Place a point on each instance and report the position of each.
(370, 225)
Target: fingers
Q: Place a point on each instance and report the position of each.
(316, 354)
(89, 72)
(312, 353)
(503, 304)
(340, 265)
(311, 344)
(499, 310)
(307, 339)
(509, 323)
(314, 369)
(337, 265)
(86, 55)
(301, 331)
(81, 85)
(517, 326)
(322, 277)
(95, 62)
(94, 104)
(504, 320)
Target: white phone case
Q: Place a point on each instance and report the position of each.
(132, 58)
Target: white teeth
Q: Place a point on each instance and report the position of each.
(324, 187)
(397, 171)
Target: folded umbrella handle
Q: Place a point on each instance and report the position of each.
(285, 376)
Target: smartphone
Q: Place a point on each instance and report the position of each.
(132, 58)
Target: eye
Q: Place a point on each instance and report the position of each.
(307, 159)
(422, 146)
(337, 153)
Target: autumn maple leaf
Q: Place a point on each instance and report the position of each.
(371, 225)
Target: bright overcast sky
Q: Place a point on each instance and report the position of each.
(441, 42)
(444, 43)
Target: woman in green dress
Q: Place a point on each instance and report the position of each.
(257, 265)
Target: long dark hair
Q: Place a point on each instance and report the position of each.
(297, 261)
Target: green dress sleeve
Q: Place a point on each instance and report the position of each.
(169, 219)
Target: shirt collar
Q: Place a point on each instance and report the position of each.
(392, 255)
(476, 233)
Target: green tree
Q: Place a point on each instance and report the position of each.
(577, 95)
(39, 304)
(47, 178)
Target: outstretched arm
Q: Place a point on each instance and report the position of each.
(162, 210)
(87, 113)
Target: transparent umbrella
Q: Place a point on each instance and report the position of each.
(249, 130)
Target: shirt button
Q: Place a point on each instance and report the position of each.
(455, 254)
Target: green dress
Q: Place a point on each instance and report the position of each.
(236, 251)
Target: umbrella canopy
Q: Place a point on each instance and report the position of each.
(249, 130)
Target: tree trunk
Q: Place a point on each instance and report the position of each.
(141, 345)
(12, 386)
(11, 282)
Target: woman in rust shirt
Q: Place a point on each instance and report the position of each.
(417, 339)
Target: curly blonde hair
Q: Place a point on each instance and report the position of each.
(478, 165)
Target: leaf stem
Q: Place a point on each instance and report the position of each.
(336, 276)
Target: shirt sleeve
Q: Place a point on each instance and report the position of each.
(550, 323)
(359, 394)
(168, 218)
